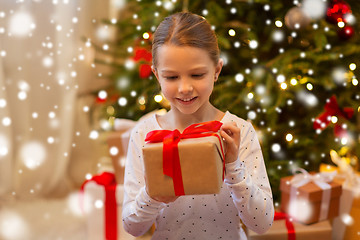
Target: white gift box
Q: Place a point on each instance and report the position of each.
(94, 207)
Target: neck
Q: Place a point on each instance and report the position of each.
(181, 121)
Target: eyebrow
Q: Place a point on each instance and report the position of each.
(193, 69)
(167, 71)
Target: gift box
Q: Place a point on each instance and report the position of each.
(347, 225)
(194, 167)
(101, 203)
(118, 142)
(311, 197)
(281, 231)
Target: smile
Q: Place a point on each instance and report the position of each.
(186, 100)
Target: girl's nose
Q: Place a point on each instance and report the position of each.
(185, 86)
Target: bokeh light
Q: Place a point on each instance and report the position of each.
(278, 23)
(339, 75)
(33, 154)
(253, 44)
(94, 134)
(6, 121)
(21, 24)
(276, 147)
(3, 103)
(158, 98)
(300, 209)
(13, 226)
(4, 145)
(314, 9)
(113, 151)
(232, 32)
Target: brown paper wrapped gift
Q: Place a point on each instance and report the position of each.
(311, 194)
(201, 167)
(317, 231)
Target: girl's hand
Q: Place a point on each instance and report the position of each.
(231, 133)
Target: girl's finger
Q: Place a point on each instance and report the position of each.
(225, 135)
(231, 130)
(230, 126)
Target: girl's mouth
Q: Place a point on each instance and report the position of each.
(186, 101)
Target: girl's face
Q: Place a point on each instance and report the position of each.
(186, 76)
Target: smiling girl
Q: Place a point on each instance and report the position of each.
(186, 64)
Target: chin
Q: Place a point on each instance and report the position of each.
(195, 108)
(189, 111)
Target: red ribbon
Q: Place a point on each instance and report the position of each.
(107, 180)
(289, 225)
(170, 139)
(332, 109)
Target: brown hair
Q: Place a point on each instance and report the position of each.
(186, 29)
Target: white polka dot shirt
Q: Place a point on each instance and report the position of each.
(245, 194)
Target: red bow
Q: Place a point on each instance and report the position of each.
(332, 109)
(170, 139)
(288, 223)
(107, 180)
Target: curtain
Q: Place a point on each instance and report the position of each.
(44, 69)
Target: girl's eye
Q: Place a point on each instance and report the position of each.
(198, 75)
(171, 77)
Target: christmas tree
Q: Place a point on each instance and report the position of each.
(290, 68)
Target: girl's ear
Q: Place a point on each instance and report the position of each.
(218, 69)
(153, 69)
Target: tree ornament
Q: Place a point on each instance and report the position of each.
(295, 18)
(142, 54)
(346, 32)
(315, 9)
(100, 100)
(332, 108)
(337, 11)
(145, 70)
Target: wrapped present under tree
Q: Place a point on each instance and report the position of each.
(309, 198)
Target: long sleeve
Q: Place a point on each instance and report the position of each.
(245, 194)
(247, 181)
(139, 210)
